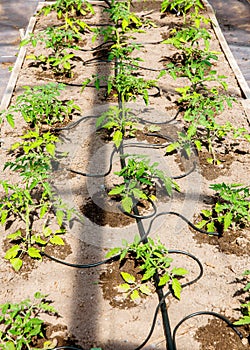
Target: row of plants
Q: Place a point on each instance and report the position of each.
(32, 198)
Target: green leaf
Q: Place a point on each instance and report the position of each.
(4, 215)
(9, 346)
(39, 240)
(211, 227)
(148, 274)
(247, 287)
(117, 138)
(13, 236)
(198, 145)
(135, 295)
(16, 263)
(227, 220)
(125, 23)
(60, 217)
(172, 147)
(201, 224)
(128, 277)
(145, 289)
(139, 194)
(127, 204)
(164, 280)
(50, 147)
(243, 321)
(207, 213)
(12, 252)
(43, 210)
(10, 120)
(168, 185)
(124, 287)
(57, 240)
(123, 254)
(113, 252)
(210, 160)
(34, 253)
(116, 190)
(179, 271)
(47, 231)
(176, 288)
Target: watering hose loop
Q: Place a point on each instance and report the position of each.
(96, 175)
(70, 347)
(199, 313)
(138, 216)
(185, 174)
(76, 123)
(80, 266)
(143, 121)
(184, 219)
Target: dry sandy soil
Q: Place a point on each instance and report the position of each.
(90, 313)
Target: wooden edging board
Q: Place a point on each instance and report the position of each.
(224, 46)
(228, 53)
(19, 62)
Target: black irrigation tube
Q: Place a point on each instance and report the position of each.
(77, 122)
(71, 347)
(142, 217)
(96, 48)
(142, 145)
(143, 121)
(184, 219)
(80, 266)
(95, 175)
(210, 313)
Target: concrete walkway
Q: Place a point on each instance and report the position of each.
(234, 19)
(14, 15)
(233, 16)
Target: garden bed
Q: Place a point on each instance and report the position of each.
(85, 297)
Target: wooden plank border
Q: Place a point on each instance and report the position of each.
(19, 62)
(228, 53)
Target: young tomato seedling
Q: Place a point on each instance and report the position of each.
(152, 258)
(231, 208)
(139, 181)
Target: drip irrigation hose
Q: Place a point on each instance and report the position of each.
(80, 266)
(71, 347)
(74, 124)
(169, 292)
(185, 174)
(143, 121)
(223, 318)
(106, 2)
(97, 47)
(143, 145)
(95, 175)
(160, 136)
(182, 252)
(138, 216)
(183, 218)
